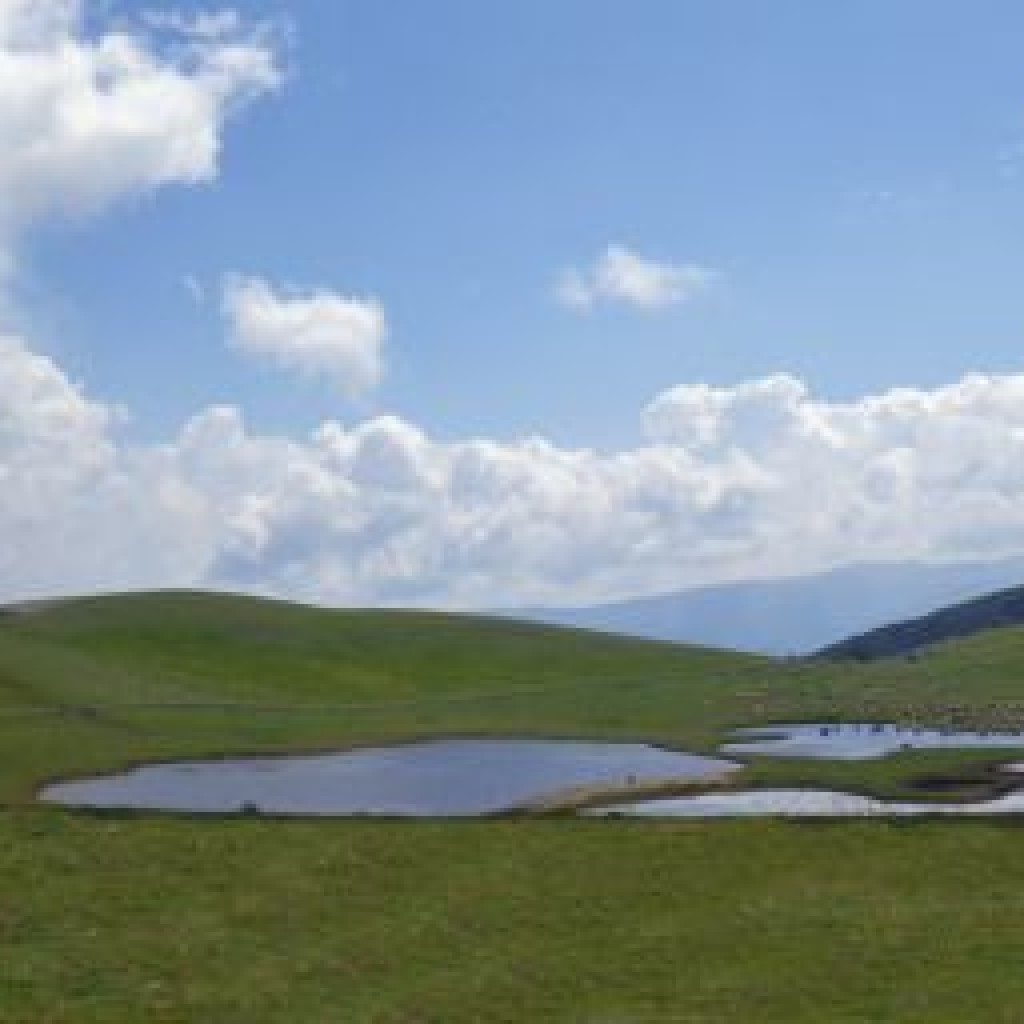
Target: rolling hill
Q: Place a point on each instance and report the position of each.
(95, 682)
(111, 916)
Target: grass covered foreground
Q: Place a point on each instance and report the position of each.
(169, 920)
(109, 917)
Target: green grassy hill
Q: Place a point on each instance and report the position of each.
(117, 917)
(225, 647)
(96, 682)
(1005, 608)
(93, 683)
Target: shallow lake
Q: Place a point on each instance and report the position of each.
(803, 802)
(858, 741)
(440, 777)
(850, 741)
(464, 777)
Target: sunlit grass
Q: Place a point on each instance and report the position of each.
(122, 917)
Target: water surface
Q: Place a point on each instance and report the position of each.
(804, 802)
(849, 741)
(852, 741)
(457, 777)
(839, 741)
(439, 777)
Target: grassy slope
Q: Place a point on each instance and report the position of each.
(204, 646)
(157, 675)
(999, 609)
(107, 918)
(390, 923)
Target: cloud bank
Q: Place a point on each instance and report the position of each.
(757, 479)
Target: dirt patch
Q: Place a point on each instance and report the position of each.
(983, 784)
(946, 783)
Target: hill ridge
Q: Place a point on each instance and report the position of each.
(997, 610)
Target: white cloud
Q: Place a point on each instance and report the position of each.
(757, 479)
(85, 120)
(77, 510)
(753, 480)
(194, 288)
(318, 333)
(622, 276)
(201, 25)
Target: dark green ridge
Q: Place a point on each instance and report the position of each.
(993, 611)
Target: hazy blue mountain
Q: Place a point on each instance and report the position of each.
(795, 615)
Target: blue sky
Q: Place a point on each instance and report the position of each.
(477, 304)
(849, 169)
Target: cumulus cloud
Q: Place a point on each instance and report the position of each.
(622, 276)
(753, 480)
(78, 511)
(318, 333)
(200, 25)
(87, 119)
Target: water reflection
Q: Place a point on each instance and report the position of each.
(804, 803)
(459, 777)
(441, 777)
(855, 741)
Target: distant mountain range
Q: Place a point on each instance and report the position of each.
(795, 615)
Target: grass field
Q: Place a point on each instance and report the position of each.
(108, 917)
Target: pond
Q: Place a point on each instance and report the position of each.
(465, 777)
(849, 741)
(855, 741)
(804, 802)
(451, 777)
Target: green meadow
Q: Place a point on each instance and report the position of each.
(129, 917)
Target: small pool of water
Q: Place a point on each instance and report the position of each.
(858, 741)
(849, 741)
(804, 803)
(440, 777)
(464, 777)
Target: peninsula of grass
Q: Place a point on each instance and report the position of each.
(917, 776)
(123, 917)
